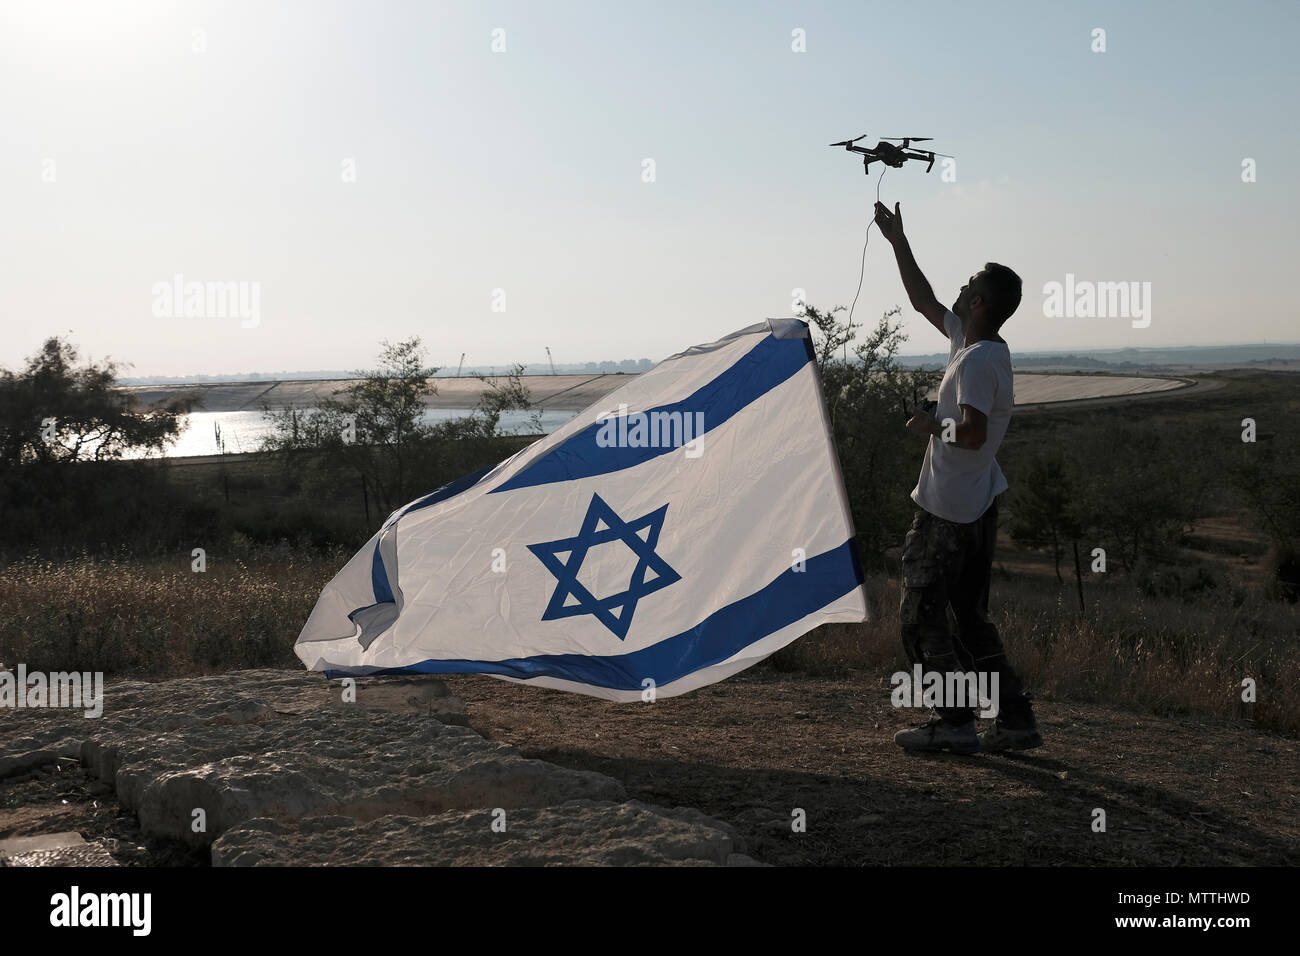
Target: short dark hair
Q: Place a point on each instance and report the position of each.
(1002, 288)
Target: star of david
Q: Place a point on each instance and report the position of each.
(600, 526)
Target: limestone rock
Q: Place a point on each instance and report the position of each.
(579, 832)
(363, 765)
(277, 768)
(53, 849)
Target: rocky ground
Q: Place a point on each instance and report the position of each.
(780, 769)
(1176, 791)
(273, 767)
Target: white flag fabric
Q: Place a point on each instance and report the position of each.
(685, 527)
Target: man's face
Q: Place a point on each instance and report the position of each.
(961, 308)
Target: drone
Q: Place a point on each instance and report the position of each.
(886, 152)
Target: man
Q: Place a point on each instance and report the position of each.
(948, 554)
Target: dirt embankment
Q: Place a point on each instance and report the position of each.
(553, 392)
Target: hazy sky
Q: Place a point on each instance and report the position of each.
(217, 140)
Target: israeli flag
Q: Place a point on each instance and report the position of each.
(685, 527)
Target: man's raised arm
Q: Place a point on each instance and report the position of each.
(914, 281)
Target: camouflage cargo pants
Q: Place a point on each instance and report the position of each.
(946, 564)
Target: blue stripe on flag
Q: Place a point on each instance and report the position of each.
(379, 581)
(757, 372)
(791, 596)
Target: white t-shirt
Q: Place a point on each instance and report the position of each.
(959, 484)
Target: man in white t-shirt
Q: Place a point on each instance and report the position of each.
(948, 553)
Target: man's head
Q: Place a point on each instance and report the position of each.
(991, 296)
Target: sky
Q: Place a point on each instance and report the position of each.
(375, 170)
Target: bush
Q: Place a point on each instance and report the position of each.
(1283, 568)
(1182, 582)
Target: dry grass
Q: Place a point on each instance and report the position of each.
(159, 619)
(1156, 655)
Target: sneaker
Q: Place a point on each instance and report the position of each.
(1000, 737)
(939, 735)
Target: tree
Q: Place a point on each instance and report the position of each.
(1267, 479)
(376, 426)
(63, 424)
(1042, 515)
(505, 394)
(372, 426)
(869, 397)
(58, 411)
(1137, 491)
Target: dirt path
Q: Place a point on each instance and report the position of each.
(754, 748)
(1194, 388)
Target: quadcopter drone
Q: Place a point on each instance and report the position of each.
(886, 152)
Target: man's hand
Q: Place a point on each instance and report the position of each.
(970, 433)
(922, 423)
(890, 223)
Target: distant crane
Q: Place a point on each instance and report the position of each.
(461, 365)
(549, 359)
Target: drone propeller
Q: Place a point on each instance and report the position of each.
(850, 142)
(910, 139)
